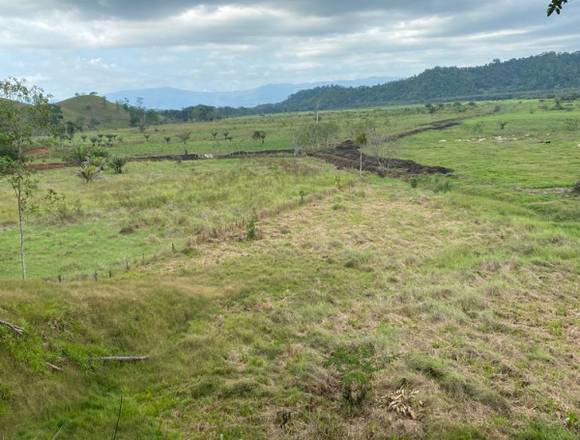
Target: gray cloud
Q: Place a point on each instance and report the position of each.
(103, 45)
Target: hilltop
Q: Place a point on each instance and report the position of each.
(91, 111)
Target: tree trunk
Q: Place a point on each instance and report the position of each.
(21, 230)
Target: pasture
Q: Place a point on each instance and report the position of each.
(281, 298)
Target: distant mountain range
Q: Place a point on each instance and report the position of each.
(168, 98)
(532, 76)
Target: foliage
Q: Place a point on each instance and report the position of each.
(316, 135)
(118, 164)
(24, 112)
(89, 172)
(556, 6)
(184, 136)
(259, 135)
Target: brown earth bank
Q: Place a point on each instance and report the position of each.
(348, 155)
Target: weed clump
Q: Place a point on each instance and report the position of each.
(576, 188)
(354, 364)
(252, 229)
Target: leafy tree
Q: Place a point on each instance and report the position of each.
(24, 111)
(316, 135)
(259, 136)
(23, 184)
(556, 6)
(184, 136)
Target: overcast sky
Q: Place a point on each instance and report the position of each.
(69, 46)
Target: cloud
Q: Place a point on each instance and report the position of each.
(220, 45)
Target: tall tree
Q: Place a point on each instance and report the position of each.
(24, 112)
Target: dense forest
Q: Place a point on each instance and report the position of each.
(557, 73)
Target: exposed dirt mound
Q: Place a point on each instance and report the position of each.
(347, 155)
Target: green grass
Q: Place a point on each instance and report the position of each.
(513, 164)
(280, 130)
(139, 214)
(83, 109)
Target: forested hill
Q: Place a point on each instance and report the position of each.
(546, 72)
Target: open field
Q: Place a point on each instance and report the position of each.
(280, 130)
(135, 216)
(432, 307)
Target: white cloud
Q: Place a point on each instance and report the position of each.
(222, 44)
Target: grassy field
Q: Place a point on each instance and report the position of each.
(280, 130)
(82, 228)
(437, 308)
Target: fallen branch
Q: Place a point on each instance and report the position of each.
(124, 358)
(53, 367)
(16, 329)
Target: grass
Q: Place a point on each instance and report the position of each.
(93, 227)
(83, 109)
(464, 294)
(280, 130)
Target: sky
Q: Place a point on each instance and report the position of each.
(70, 46)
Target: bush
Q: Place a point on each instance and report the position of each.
(88, 172)
(251, 230)
(118, 164)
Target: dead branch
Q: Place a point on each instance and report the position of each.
(124, 358)
(15, 328)
(53, 367)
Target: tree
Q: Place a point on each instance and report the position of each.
(184, 136)
(24, 111)
(556, 6)
(259, 136)
(23, 185)
(316, 135)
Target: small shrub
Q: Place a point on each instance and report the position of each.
(302, 196)
(576, 188)
(118, 164)
(88, 172)
(252, 230)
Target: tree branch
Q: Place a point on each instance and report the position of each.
(124, 358)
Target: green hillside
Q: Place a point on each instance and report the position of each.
(94, 112)
(549, 72)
